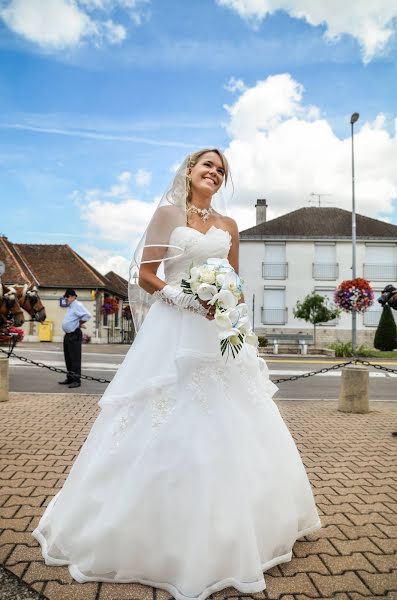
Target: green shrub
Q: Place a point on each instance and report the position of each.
(364, 351)
(343, 349)
(386, 332)
(262, 341)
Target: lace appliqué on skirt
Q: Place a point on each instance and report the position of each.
(163, 403)
(201, 377)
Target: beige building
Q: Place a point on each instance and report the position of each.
(53, 268)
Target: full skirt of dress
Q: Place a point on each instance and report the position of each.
(189, 480)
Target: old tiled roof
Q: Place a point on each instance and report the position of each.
(15, 270)
(51, 265)
(321, 222)
(118, 283)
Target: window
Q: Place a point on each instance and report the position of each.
(325, 265)
(274, 311)
(372, 314)
(274, 265)
(380, 262)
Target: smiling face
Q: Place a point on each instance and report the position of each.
(207, 174)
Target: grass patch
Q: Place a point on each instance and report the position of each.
(381, 353)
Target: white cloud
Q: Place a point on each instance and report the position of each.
(143, 178)
(58, 24)
(114, 216)
(235, 85)
(123, 221)
(105, 260)
(48, 22)
(283, 150)
(371, 23)
(270, 101)
(94, 135)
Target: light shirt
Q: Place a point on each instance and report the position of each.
(75, 313)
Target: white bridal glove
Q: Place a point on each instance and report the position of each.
(180, 300)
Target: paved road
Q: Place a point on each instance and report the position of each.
(103, 362)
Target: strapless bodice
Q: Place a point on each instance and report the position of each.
(197, 248)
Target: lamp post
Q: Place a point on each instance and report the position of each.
(353, 119)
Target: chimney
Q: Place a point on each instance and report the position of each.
(261, 206)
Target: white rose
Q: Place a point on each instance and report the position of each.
(207, 275)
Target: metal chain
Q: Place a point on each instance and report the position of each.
(379, 367)
(312, 373)
(292, 378)
(51, 368)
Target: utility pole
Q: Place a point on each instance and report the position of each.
(353, 119)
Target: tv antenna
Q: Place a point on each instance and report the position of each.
(318, 198)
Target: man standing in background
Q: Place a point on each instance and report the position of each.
(76, 316)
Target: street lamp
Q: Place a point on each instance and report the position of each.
(353, 119)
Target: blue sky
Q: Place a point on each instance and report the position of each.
(93, 120)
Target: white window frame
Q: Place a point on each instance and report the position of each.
(283, 311)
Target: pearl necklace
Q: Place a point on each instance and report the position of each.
(203, 213)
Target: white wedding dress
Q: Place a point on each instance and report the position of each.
(189, 479)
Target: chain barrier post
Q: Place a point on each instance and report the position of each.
(357, 361)
(353, 394)
(4, 378)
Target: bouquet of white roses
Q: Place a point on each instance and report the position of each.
(217, 283)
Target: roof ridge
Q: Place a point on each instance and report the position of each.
(322, 221)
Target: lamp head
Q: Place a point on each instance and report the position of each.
(355, 117)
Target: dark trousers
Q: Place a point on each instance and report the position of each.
(72, 351)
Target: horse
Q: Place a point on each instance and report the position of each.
(389, 296)
(10, 309)
(29, 300)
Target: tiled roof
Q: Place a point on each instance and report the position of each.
(15, 270)
(51, 265)
(118, 283)
(320, 222)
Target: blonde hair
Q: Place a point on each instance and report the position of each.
(193, 160)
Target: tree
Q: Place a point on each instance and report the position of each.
(386, 333)
(315, 309)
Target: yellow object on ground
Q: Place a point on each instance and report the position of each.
(46, 331)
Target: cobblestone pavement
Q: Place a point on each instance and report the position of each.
(351, 461)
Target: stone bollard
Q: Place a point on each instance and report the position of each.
(353, 395)
(4, 362)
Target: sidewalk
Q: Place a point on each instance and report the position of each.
(351, 461)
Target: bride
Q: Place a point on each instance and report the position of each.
(189, 480)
